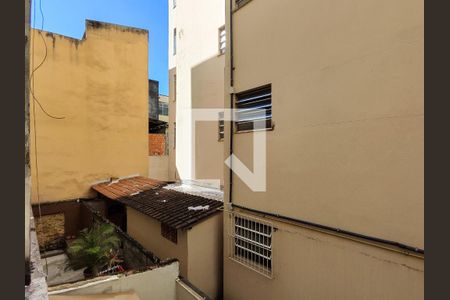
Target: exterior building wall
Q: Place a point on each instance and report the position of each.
(153, 99)
(308, 264)
(207, 92)
(197, 24)
(99, 85)
(147, 231)
(346, 149)
(205, 256)
(158, 167)
(348, 112)
(173, 173)
(156, 144)
(159, 283)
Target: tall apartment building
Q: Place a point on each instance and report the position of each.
(196, 76)
(341, 84)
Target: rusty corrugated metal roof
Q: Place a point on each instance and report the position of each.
(167, 206)
(125, 187)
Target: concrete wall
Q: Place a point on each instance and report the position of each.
(198, 249)
(158, 167)
(99, 85)
(347, 147)
(147, 231)
(207, 79)
(205, 256)
(153, 284)
(312, 265)
(197, 24)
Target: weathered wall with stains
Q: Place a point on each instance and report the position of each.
(308, 264)
(99, 85)
(347, 147)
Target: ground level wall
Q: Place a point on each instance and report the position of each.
(308, 264)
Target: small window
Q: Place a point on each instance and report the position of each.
(222, 40)
(174, 41)
(221, 126)
(163, 109)
(251, 243)
(169, 233)
(254, 109)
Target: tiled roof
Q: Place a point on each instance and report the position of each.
(125, 187)
(173, 208)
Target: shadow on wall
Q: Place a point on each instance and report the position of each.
(207, 91)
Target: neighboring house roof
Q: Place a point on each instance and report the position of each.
(175, 209)
(118, 188)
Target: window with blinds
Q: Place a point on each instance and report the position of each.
(254, 109)
(221, 126)
(222, 40)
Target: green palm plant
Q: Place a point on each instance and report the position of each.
(93, 248)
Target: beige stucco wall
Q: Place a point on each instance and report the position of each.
(153, 284)
(147, 231)
(100, 86)
(173, 173)
(197, 24)
(207, 81)
(205, 256)
(158, 167)
(311, 265)
(347, 149)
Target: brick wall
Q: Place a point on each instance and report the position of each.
(156, 144)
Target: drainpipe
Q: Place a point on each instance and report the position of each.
(27, 151)
(231, 96)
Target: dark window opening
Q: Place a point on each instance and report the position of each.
(254, 109)
(169, 233)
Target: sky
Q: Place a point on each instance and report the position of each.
(67, 17)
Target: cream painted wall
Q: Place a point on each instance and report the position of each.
(311, 265)
(207, 81)
(197, 24)
(205, 256)
(147, 231)
(173, 173)
(158, 167)
(152, 284)
(99, 85)
(347, 94)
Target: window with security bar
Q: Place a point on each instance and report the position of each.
(254, 109)
(251, 243)
(222, 40)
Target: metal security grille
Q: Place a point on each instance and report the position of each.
(221, 126)
(254, 109)
(222, 40)
(251, 243)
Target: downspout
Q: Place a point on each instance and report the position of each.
(231, 100)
